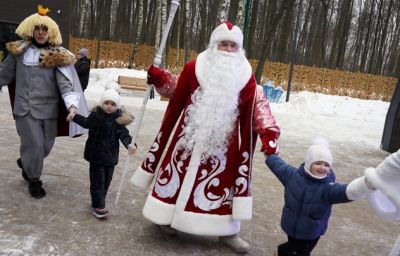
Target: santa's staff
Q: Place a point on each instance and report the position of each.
(157, 62)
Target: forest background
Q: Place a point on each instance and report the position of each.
(335, 43)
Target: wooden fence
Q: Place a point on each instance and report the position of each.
(328, 81)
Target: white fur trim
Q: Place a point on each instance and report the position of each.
(357, 189)
(386, 200)
(242, 208)
(386, 178)
(383, 206)
(162, 213)
(70, 99)
(141, 178)
(157, 211)
(201, 74)
(205, 224)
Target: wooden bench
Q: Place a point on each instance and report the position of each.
(134, 83)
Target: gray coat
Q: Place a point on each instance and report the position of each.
(37, 88)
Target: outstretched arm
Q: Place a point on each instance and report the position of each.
(265, 125)
(280, 168)
(163, 81)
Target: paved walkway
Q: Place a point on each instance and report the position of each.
(62, 224)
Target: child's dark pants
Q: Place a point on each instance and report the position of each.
(297, 247)
(100, 179)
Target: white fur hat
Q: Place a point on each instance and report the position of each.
(226, 31)
(111, 95)
(385, 201)
(319, 151)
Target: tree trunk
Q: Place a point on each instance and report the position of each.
(251, 31)
(268, 35)
(282, 51)
(382, 46)
(367, 38)
(233, 11)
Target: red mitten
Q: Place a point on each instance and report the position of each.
(269, 143)
(156, 76)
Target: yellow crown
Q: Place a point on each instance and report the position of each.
(42, 11)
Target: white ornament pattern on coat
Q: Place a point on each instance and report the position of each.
(208, 201)
(168, 186)
(150, 158)
(241, 182)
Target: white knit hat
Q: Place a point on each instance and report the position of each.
(111, 95)
(319, 151)
(226, 31)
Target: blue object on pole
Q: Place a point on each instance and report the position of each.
(271, 93)
(278, 91)
(268, 90)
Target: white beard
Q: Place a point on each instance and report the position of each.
(212, 115)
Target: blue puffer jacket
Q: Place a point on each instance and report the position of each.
(308, 201)
(105, 131)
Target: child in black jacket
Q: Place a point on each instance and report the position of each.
(106, 124)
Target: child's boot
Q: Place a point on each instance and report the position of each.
(100, 213)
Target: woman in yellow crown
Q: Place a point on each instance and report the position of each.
(38, 70)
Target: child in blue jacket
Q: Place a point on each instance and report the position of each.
(310, 191)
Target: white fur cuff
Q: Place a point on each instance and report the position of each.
(387, 183)
(70, 99)
(141, 178)
(383, 206)
(357, 189)
(242, 208)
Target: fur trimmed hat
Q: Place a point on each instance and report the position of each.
(111, 95)
(26, 27)
(226, 31)
(319, 151)
(385, 201)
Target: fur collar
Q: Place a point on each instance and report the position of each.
(124, 117)
(52, 56)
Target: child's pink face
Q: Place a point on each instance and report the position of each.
(109, 107)
(320, 168)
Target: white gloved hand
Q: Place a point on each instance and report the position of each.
(358, 189)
